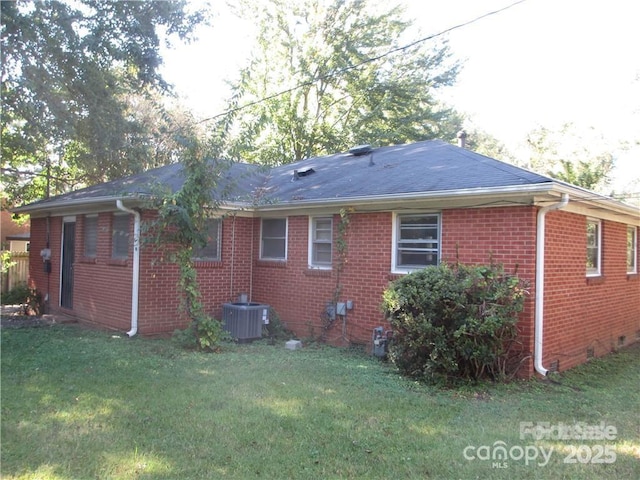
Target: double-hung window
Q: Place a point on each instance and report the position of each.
(90, 236)
(210, 251)
(594, 247)
(320, 242)
(632, 249)
(416, 241)
(120, 236)
(273, 244)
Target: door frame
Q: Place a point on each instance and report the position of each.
(63, 243)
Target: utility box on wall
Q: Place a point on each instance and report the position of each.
(244, 320)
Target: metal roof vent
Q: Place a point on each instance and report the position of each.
(302, 173)
(360, 150)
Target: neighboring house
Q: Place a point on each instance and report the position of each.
(15, 236)
(408, 206)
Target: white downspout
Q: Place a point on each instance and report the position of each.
(136, 267)
(539, 307)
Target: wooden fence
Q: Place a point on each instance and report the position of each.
(18, 271)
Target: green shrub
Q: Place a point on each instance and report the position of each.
(29, 298)
(17, 295)
(205, 334)
(275, 329)
(454, 322)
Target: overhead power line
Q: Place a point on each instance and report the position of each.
(364, 62)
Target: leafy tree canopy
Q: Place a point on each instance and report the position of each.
(566, 155)
(330, 82)
(484, 143)
(79, 78)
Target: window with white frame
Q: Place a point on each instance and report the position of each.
(632, 249)
(90, 236)
(416, 241)
(320, 242)
(594, 247)
(120, 236)
(273, 245)
(211, 251)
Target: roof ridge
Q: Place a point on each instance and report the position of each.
(499, 164)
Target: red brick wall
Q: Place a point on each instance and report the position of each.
(97, 282)
(299, 295)
(102, 285)
(43, 282)
(220, 282)
(586, 313)
(580, 313)
(100, 280)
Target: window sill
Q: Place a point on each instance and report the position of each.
(317, 272)
(118, 262)
(395, 275)
(207, 263)
(90, 260)
(404, 271)
(633, 276)
(271, 263)
(595, 280)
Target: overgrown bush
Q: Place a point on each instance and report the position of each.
(205, 334)
(28, 298)
(275, 329)
(453, 322)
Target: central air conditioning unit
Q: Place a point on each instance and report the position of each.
(244, 321)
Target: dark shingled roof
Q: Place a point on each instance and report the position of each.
(427, 167)
(422, 167)
(241, 178)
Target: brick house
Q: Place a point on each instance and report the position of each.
(407, 206)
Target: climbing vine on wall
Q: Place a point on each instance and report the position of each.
(342, 250)
(180, 227)
(342, 247)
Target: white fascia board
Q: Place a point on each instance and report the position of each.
(584, 202)
(74, 206)
(449, 198)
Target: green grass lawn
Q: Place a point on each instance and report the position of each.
(82, 404)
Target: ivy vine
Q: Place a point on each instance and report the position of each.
(180, 227)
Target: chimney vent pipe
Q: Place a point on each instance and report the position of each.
(462, 139)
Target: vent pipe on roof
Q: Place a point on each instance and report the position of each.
(462, 139)
(360, 150)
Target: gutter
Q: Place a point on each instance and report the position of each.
(69, 203)
(387, 198)
(539, 307)
(136, 267)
